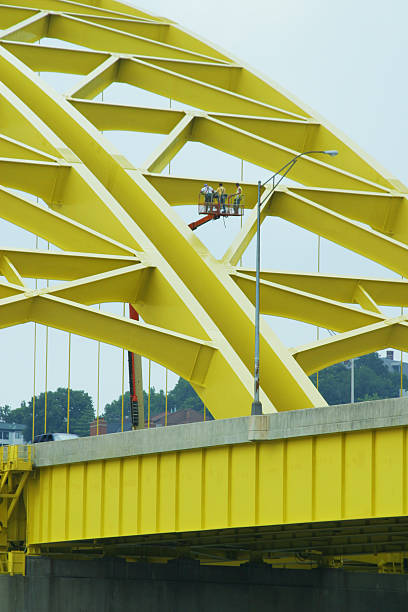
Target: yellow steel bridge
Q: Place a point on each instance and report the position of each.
(120, 239)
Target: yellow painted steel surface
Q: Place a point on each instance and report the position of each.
(122, 238)
(15, 469)
(337, 477)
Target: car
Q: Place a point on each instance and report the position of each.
(53, 437)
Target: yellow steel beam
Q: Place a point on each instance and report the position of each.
(8, 269)
(221, 75)
(61, 184)
(17, 494)
(18, 122)
(247, 232)
(282, 301)
(119, 285)
(9, 147)
(271, 155)
(190, 357)
(10, 15)
(43, 179)
(384, 212)
(181, 191)
(100, 37)
(115, 9)
(168, 33)
(295, 134)
(338, 228)
(107, 116)
(54, 227)
(14, 309)
(319, 355)
(8, 290)
(384, 292)
(365, 300)
(44, 58)
(192, 91)
(62, 266)
(96, 81)
(195, 360)
(170, 145)
(29, 30)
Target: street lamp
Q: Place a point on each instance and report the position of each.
(256, 404)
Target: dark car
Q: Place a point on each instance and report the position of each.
(53, 437)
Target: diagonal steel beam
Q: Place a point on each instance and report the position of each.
(97, 80)
(389, 333)
(56, 228)
(384, 292)
(170, 145)
(281, 301)
(337, 228)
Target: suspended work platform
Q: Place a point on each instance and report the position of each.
(322, 483)
(224, 206)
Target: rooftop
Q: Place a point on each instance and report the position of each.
(11, 427)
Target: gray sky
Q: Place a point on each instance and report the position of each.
(347, 60)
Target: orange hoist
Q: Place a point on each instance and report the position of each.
(231, 206)
(134, 400)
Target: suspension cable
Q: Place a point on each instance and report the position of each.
(148, 396)
(317, 327)
(35, 354)
(123, 378)
(46, 367)
(46, 379)
(98, 386)
(69, 379)
(242, 180)
(165, 413)
(402, 312)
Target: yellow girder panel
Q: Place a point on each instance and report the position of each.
(107, 117)
(385, 292)
(342, 476)
(43, 58)
(122, 236)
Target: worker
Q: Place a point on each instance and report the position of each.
(237, 198)
(208, 192)
(220, 196)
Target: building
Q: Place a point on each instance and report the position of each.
(11, 433)
(394, 365)
(179, 417)
(176, 417)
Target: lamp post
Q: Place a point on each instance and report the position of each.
(256, 404)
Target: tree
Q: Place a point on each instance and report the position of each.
(334, 384)
(81, 413)
(372, 380)
(182, 397)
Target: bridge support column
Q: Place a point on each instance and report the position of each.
(184, 586)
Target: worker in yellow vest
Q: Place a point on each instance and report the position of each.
(220, 196)
(237, 198)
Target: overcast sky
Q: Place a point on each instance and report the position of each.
(347, 60)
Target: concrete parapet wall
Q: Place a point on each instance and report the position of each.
(297, 423)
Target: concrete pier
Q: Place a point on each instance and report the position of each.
(184, 586)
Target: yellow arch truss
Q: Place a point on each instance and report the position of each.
(120, 237)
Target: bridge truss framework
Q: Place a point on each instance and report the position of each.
(119, 237)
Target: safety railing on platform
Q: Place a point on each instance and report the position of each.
(225, 205)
